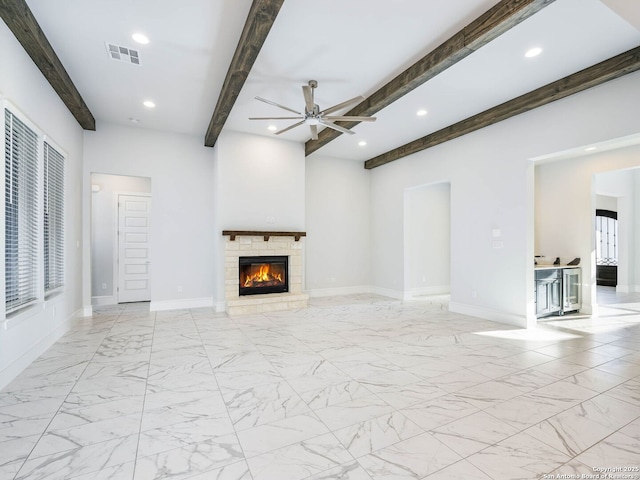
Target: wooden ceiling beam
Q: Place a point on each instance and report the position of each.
(20, 20)
(602, 72)
(503, 16)
(262, 15)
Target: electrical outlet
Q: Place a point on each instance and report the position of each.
(104, 286)
(179, 288)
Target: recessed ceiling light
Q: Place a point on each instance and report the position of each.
(362, 143)
(590, 149)
(421, 113)
(533, 52)
(140, 38)
(272, 128)
(149, 104)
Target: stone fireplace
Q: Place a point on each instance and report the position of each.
(263, 271)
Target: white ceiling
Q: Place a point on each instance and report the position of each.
(350, 47)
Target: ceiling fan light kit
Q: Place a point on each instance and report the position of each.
(313, 116)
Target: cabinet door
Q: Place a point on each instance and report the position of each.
(542, 298)
(548, 296)
(555, 296)
(571, 288)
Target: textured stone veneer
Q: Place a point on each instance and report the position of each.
(244, 246)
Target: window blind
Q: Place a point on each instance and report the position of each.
(21, 214)
(53, 225)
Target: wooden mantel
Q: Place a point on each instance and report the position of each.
(259, 233)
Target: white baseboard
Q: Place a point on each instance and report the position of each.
(221, 306)
(103, 300)
(387, 292)
(489, 314)
(422, 291)
(627, 288)
(8, 374)
(337, 291)
(181, 304)
(355, 290)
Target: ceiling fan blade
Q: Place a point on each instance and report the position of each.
(288, 128)
(276, 118)
(278, 105)
(308, 98)
(314, 132)
(347, 118)
(342, 105)
(330, 124)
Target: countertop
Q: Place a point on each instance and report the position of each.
(552, 267)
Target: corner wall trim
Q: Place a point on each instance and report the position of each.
(423, 291)
(387, 292)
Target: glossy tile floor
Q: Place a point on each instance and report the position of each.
(352, 388)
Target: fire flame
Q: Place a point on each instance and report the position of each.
(263, 275)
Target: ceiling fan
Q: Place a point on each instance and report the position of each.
(313, 116)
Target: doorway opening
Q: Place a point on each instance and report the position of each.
(615, 228)
(606, 248)
(120, 236)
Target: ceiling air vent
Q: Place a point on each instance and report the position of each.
(123, 54)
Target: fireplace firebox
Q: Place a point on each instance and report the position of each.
(263, 275)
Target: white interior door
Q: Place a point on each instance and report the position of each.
(133, 248)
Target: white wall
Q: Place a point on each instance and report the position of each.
(492, 187)
(338, 227)
(428, 239)
(181, 229)
(487, 192)
(606, 202)
(636, 232)
(572, 184)
(104, 223)
(24, 338)
(259, 184)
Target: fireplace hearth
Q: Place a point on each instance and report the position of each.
(263, 274)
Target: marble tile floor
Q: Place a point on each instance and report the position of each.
(355, 388)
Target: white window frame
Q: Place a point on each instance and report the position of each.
(17, 315)
(60, 240)
(37, 221)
